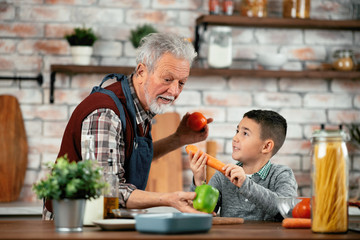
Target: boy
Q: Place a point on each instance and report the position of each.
(250, 187)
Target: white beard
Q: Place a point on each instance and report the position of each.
(152, 103)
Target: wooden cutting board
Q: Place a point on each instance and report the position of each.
(166, 172)
(13, 149)
(227, 220)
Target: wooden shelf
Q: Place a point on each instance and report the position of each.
(239, 21)
(199, 71)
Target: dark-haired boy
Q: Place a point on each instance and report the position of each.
(250, 187)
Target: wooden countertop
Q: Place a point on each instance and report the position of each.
(37, 229)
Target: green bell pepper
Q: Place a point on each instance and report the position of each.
(206, 198)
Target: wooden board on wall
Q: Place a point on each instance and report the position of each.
(13, 149)
(166, 172)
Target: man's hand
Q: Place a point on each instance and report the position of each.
(182, 201)
(188, 136)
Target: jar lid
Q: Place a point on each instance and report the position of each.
(343, 53)
(330, 135)
(222, 29)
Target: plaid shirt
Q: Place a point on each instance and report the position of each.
(106, 127)
(263, 172)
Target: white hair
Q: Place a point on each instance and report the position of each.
(154, 45)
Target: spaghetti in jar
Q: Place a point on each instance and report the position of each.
(329, 209)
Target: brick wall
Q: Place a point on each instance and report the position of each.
(31, 39)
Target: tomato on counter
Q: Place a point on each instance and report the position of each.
(196, 121)
(302, 209)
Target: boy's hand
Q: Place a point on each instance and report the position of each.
(235, 174)
(198, 166)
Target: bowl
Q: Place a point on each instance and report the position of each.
(271, 61)
(286, 205)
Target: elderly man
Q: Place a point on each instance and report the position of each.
(119, 117)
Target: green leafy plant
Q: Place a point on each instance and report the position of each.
(71, 180)
(81, 37)
(354, 131)
(139, 32)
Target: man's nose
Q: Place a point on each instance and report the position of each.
(174, 88)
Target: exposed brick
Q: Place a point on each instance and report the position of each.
(92, 15)
(218, 114)
(295, 147)
(327, 100)
(177, 5)
(45, 112)
(70, 96)
(70, 2)
(45, 13)
(291, 161)
(6, 64)
(294, 131)
(252, 84)
(43, 47)
(279, 36)
(26, 96)
(303, 179)
(7, 46)
(54, 129)
(242, 35)
(205, 83)
(188, 18)
(345, 116)
(44, 145)
(20, 30)
(345, 85)
(227, 99)
(34, 161)
(151, 16)
(136, 4)
(357, 101)
(303, 85)
(23, 63)
(87, 81)
(58, 30)
(299, 115)
(33, 127)
(113, 32)
(235, 114)
(189, 98)
(107, 48)
(305, 53)
(326, 37)
(277, 100)
(120, 61)
(7, 11)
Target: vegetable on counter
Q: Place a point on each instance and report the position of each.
(296, 223)
(196, 121)
(302, 209)
(211, 162)
(206, 198)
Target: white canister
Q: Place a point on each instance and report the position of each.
(220, 47)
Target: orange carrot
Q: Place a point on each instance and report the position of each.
(296, 223)
(211, 162)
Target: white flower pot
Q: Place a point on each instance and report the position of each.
(81, 54)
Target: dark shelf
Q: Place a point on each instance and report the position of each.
(239, 21)
(198, 71)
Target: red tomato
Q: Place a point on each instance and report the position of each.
(196, 121)
(302, 209)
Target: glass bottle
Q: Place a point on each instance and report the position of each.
(343, 60)
(214, 7)
(329, 174)
(111, 197)
(220, 47)
(303, 8)
(94, 207)
(289, 8)
(253, 8)
(228, 7)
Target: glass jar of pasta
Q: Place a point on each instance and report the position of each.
(329, 172)
(253, 8)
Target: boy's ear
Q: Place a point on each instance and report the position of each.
(268, 146)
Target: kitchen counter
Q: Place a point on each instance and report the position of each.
(37, 229)
(20, 210)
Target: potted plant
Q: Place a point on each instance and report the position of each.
(81, 42)
(354, 131)
(69, 185)
(139, 32)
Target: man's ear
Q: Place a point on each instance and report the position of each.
(141, 72)
(268, 146)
